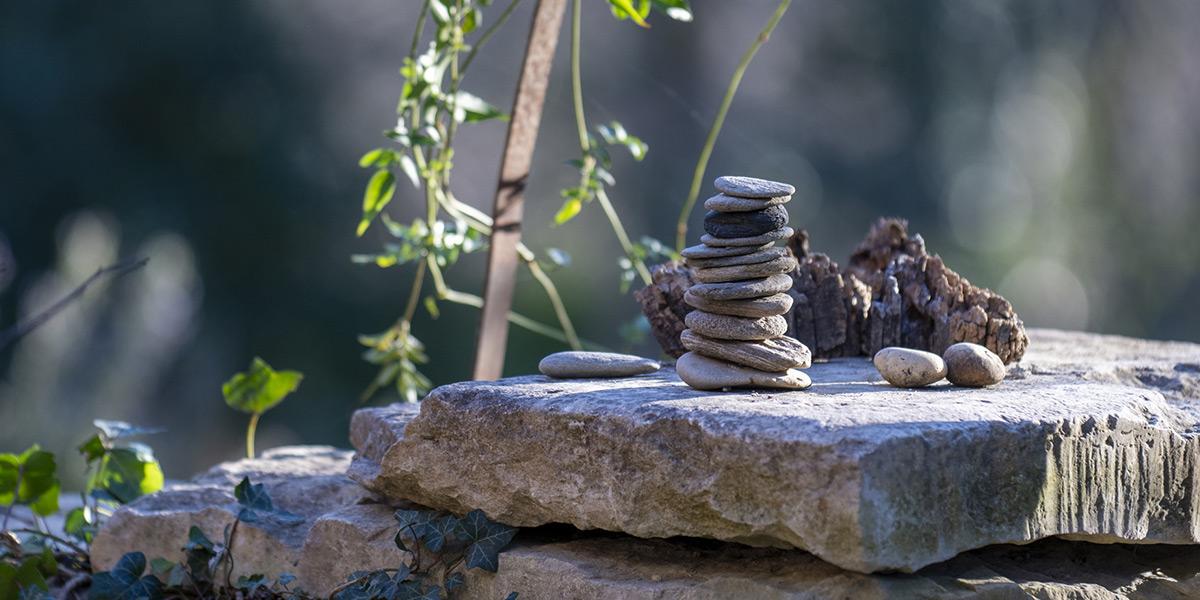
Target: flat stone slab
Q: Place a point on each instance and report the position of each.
(352, 533)
(1079, 441)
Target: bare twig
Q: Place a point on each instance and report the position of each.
(20, 330)
(719, 121)
(69, 587)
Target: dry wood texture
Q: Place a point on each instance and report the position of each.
(891, 293)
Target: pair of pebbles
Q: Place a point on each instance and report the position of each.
(735, 337)
(964, 364)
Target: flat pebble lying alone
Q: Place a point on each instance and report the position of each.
(574, 364)
(905, 367)
(972, 365)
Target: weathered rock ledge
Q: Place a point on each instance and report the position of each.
(558, 563)
(1078, 442)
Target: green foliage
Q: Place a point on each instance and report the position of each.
(255, 504)
(397, 353)
(595, 168)
(442, 547)
(126, 581)
(30, 478)
(258, 390)
(638, 10)
(26, 578)
(444, 242)
(644, 251)
(119, 471)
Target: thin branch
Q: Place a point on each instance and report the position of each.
(487, 34)
(719, 121)
(20, 330)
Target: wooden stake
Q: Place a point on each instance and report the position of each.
(500, 279)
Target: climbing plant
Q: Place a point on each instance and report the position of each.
(432, 107)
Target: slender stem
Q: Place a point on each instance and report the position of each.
(51, 536)
(615, 221)
(414, 294)
(251, 429)
(719, 121)
(556, 302)
(416, 39)
(577, 75)
(589, 162)
(487, 34)
(451, 295)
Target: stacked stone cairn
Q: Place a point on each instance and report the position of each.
(735, 335)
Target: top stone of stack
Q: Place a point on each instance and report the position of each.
(750, 187)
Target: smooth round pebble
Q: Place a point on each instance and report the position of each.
(575, 364)
(740, 290)
(905, 367)
(745, 224)
(774, 355)
(704, 251)
(783, 264)
(767, 306)
(743, 259)
(769, 237)
(752, 187)
(726, 327)
(704, 373)
(724, 203)
(972, 365)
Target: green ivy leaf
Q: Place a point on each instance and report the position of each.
(486, 540)
(199, 554)
(126, 474)
(256, 503)
(30, 479)
(380, 190)
(260, 388)
(125, 581)
(18, 580)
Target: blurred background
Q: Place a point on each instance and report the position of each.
(1048, 150)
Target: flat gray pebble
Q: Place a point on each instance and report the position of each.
(752, 187)
(576, 364)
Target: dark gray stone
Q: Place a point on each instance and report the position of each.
(745, 224)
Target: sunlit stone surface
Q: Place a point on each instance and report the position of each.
(1091, 437)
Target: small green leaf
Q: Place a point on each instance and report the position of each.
(378, 194)
(680, 10)
(92, 448)
(431, 307)
(569, 209)
(260, 388)
(625, 9)
(379, 157)
(30, 479)
(126, 474)
(470, 108)
(472, 20)
(410, 170)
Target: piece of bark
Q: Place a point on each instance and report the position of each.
(662, 303)
(891, 293)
